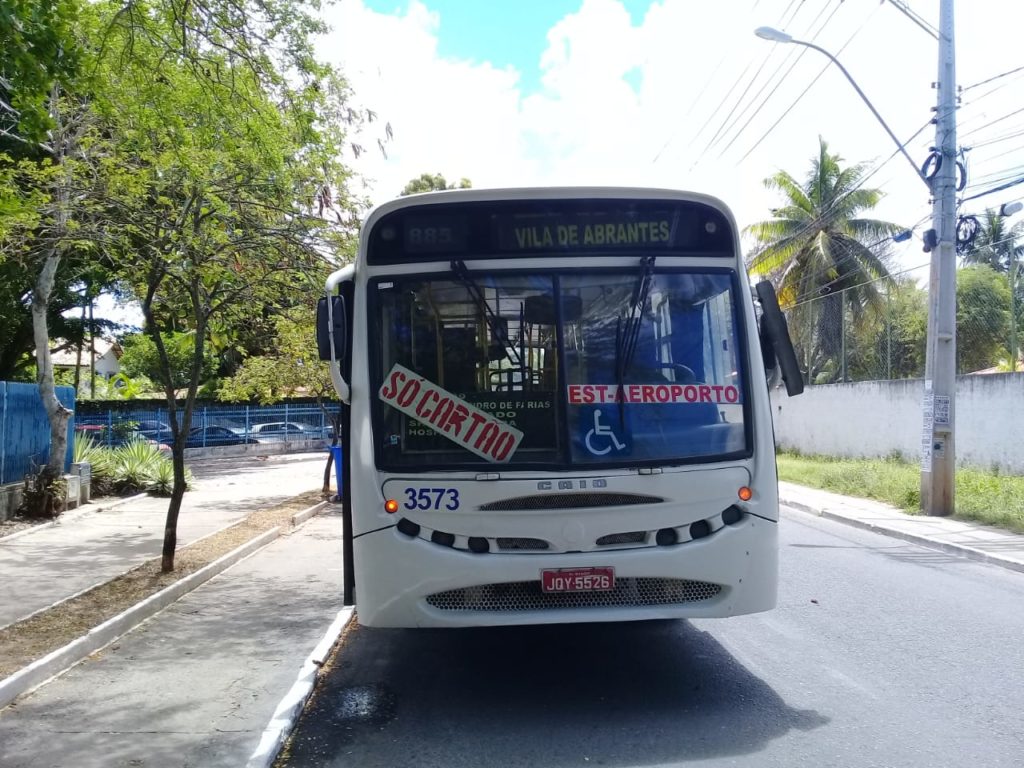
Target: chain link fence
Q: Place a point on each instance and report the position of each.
(840, 337)
(306, 424)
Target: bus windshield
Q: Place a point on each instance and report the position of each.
(606, 367)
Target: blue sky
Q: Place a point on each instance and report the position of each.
(672, 93)
(503, 33)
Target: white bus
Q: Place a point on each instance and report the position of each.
(557, 410)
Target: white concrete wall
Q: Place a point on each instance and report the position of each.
(879, 418)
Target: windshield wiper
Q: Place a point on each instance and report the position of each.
(627, 331)
(498, 329)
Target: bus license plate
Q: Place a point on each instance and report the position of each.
(597, 579)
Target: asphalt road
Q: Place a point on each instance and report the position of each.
(880, 653)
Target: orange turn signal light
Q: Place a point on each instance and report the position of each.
(391, 506)
(745, 493)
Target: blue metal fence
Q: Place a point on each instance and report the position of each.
(214, 425)
(25, 430)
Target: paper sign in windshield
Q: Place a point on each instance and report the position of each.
(587, 394)
(449, 415)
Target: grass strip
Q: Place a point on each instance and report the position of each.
(984, 497)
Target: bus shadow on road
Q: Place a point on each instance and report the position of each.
(601, 694)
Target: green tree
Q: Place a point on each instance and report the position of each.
(982, 318)
(819, 246)
(292, 367)
(141, 358)
(891, 344)
(222, 179)
(46, 137)
(436, 183)
(39, 51)
(998, 245)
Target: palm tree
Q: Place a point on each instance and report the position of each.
(818, 246)
(998, 246)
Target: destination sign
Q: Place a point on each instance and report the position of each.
(526, 233)
(512, 228)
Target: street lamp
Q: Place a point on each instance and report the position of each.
(778, 36)
(938, 466)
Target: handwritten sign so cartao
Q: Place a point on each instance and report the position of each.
(449, 415)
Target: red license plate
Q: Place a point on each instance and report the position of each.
(597, 579)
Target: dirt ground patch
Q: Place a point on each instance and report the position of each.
(18, 524)
(31, 639)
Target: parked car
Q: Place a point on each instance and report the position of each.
(213, 435)
(103, 435)
(278, 431)
(154, 429)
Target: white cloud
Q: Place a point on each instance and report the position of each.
(588, 123)
(457, 118)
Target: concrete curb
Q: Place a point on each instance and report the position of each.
(956, 549)
(300, 517)
(282, 722)
(62, 659)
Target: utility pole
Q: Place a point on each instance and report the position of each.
(938, 457)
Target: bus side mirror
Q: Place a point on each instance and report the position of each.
(330, 316)
(775, 335)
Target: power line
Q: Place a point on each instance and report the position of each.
(995, 177)
(768, 97)
(707, 84)
(1000, 188)
(990, 158)
(890, 275)
(915, 17)
(800, 96)
(1017, 131)
(865, 282)
(814, 275)
(862, 180)
(860, 183)
(771, 50)
(992, 79)
(992, 122)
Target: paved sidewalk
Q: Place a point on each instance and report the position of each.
(93, 547)
(972, 540)
(197, 684)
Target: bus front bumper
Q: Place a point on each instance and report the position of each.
(409, 582)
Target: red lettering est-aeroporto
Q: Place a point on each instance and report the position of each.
(588, 394)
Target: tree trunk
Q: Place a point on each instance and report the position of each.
(92, 348)
(327, 474)
(179, 431)
(55, 411)
(57, 414)
(78, 353)
(174, 507)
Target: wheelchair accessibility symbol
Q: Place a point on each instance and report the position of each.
(602, 438)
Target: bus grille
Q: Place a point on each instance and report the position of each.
(527, 596)
(521, 543)
(568, 501)
(633, 537)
